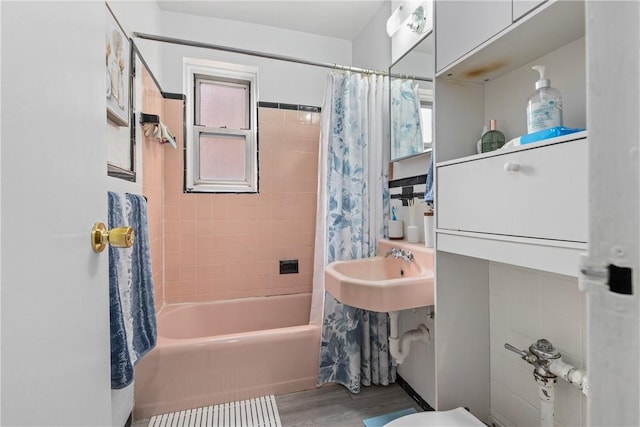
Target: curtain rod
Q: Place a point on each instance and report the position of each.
(192, 43)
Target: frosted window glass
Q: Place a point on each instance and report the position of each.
(223, 106)
(222, 158)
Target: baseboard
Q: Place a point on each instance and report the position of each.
(413, 394)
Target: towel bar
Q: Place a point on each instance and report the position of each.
(121, 237)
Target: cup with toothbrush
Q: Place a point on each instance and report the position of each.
(396, 226)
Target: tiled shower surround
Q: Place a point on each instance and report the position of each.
(224, 246)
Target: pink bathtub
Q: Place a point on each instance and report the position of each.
(223, 351)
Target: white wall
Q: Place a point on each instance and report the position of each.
(526, 305)
(142, 17)
(278, 81)
(372, 47)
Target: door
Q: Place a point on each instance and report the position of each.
(613, 96)
(55, 296)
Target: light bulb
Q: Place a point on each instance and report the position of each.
(417, 20)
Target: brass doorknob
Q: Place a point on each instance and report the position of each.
(121, 237)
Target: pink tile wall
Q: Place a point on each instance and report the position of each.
(152, 187)
(224, 246)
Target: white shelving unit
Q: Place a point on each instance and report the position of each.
(532, 215)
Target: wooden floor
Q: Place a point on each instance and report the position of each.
(334, 406)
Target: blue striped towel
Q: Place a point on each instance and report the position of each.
(429, 193)
(133, 314)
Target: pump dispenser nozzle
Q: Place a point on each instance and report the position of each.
(543, 82)
(544, 109)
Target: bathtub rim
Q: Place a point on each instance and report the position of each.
(167, 309)
(177, 305)
(164, 342)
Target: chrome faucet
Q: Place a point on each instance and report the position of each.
(398, 253)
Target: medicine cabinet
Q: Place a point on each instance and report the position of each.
(411, 101)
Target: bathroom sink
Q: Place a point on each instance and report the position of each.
(384, 283)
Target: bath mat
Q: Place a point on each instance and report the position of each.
(381, 420)
(258, 412)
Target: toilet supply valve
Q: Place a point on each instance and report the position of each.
(548, 364)
(525, 355)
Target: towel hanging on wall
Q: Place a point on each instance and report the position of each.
(151, 125)
(428, 193)
(132, 305)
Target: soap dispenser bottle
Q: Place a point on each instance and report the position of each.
(544, 110)
(493, 139)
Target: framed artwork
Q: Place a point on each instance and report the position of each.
(121, 147)
(118, 58)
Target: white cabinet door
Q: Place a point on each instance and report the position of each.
(463, 25)
(539, 193)
(522, 7)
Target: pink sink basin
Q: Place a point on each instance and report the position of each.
(384, 284)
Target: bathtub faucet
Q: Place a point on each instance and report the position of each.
(398, 253)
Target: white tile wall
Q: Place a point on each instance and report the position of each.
(526, 305)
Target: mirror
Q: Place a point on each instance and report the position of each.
(411, 101)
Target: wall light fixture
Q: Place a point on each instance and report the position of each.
(402, 16)
(417, 20)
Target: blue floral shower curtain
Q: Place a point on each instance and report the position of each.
(353, 205)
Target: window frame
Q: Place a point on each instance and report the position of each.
(427, 105)
(426, 95)
(199, 70)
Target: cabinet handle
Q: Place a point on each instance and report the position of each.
(511, 167)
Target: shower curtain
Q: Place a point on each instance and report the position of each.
(353, 201)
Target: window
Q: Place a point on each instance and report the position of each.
(221, 145)
(426, 114)
(425, 92)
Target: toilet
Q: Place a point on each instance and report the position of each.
(458, 417)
